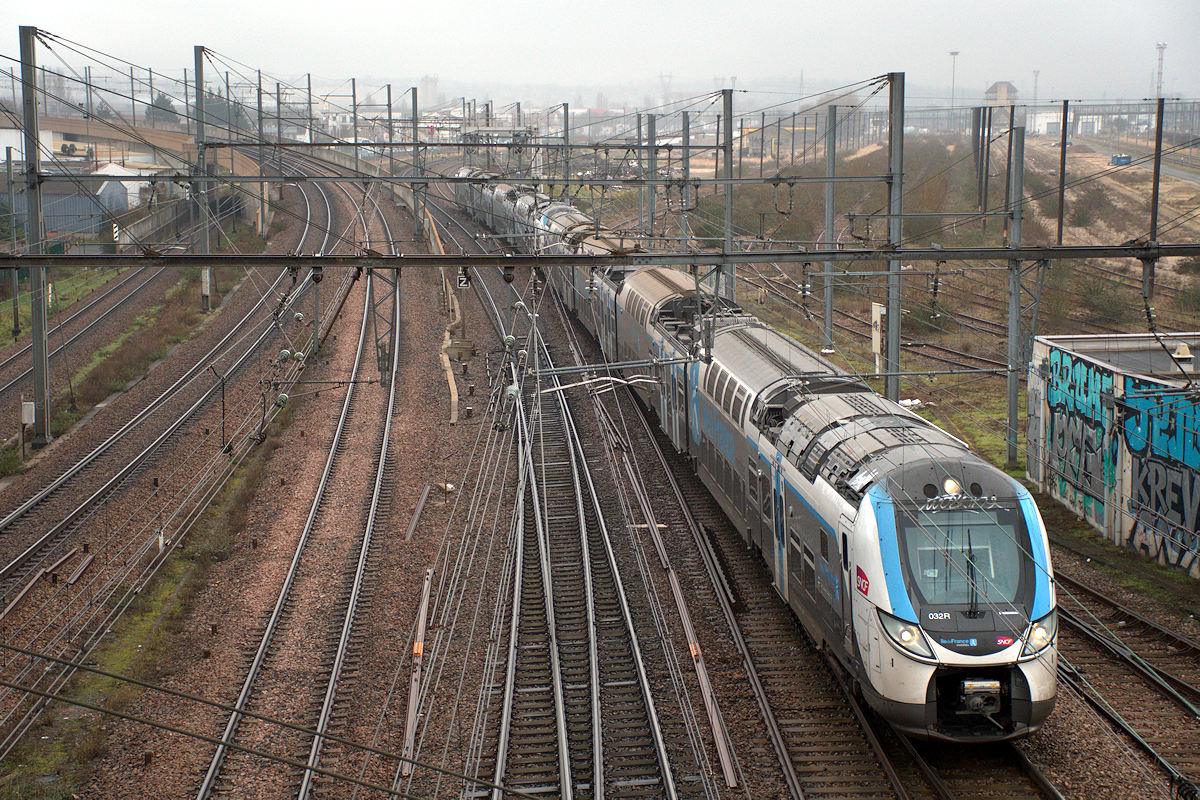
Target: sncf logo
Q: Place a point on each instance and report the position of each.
(1005, 641)
(860, 581)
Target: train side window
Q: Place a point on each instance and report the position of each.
(719, 389)
(824, 547)
(845, 553)
(727, 394)
(739, 402)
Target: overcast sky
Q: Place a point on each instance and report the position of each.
(1083, 48)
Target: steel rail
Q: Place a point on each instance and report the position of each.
(163, 398)
(58, 328)
(124, 430)
(17, 731)
(331, 688)
(643, 678)
(774, 731)
(208, 784)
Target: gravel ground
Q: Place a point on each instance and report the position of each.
(209, 656)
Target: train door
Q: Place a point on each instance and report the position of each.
(766, 498)
(845, 529)
(681, 408)
(778, 542)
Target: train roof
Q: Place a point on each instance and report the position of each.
(826, 421)
(656, 284)
(763, 356)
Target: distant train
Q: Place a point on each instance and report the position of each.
(924, 569)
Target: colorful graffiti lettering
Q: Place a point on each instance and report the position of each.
(1081, 464)
(1160, 433)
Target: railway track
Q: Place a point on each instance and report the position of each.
(309, 601)
(309, 597)
(572, 645)
(1142, 677)
(46, 610)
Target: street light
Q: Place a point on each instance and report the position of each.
(953, 65)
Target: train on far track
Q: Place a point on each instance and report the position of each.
(922, 568)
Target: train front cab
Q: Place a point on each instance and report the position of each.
(922, 666)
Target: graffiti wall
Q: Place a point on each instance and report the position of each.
(1080, 460)
(1119, 450)
(1159, 429)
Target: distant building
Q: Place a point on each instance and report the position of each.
(428, 91)
(1000, 93)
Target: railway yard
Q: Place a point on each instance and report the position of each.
(417, 510)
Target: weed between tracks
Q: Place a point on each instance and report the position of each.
(70, 285)
(131, 354)
(54, 760)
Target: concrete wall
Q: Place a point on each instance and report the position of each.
(1120, 450)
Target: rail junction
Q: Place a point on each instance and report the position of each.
(467, 559)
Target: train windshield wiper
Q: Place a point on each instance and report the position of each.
(973, 588)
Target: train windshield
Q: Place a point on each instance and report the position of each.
(968, 556)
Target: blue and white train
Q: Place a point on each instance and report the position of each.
(924, 569)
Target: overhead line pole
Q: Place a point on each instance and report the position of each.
(725, 287)
(895, 230)
(651, 210)
(1062, 168)
(830, 167)
(201, 196)
(12, 244)
(1016, 175)
(391, 156)
(33, 239)
(354, 119)
(262, 187)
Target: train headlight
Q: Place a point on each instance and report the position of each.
(906, 634)
(1041, 634)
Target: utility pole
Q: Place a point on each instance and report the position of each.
(202, 194)
(762, 142)
(262, 187)
(953, 78)
(311, 138)
(228, 120)
(1148, 264)
(651, 140)
(566, 140)
(279, 121)
(830, 166)
(416, 151)
(1031, 124)
(725, 287)
(354, 119)
(187, 111)
(641, 169)
(149, 118)
(1016, 174)
(12, 243)
(416, 133)
(1161, 47)
(33, 239)
(1062, 167)
(685, 193)
(132, 99)
(391, 159)
(895, 230)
